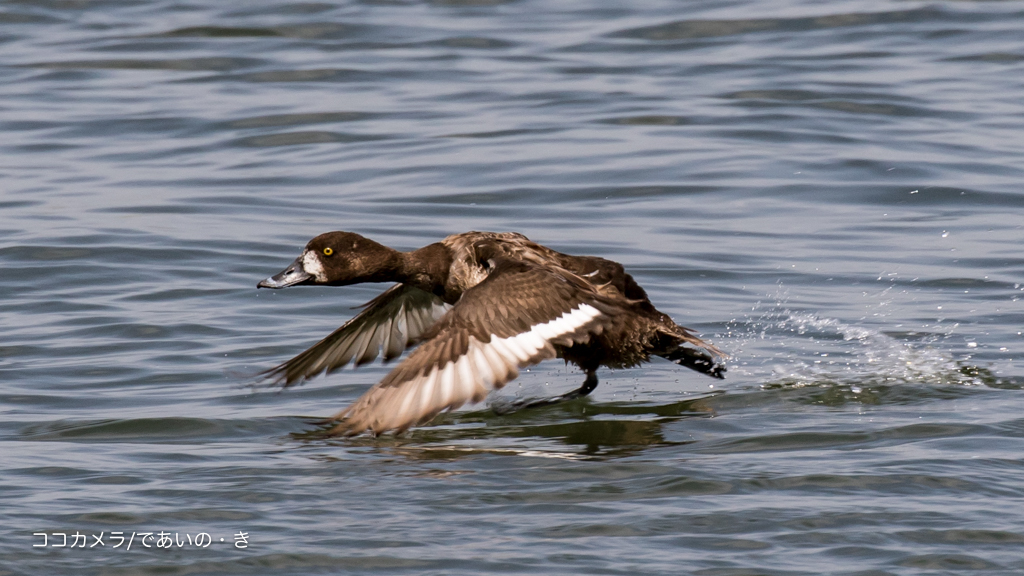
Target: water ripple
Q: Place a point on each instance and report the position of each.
(830, 193)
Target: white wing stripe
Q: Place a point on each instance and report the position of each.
(480, 362)
(404, 413)
(466, 376)
(426, 394)
(497, 348)
(483, 367)
(529, 343)
(496, 363)
(446, 386)
(511, 346)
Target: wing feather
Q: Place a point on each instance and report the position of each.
(397, 337)
(480, 345)
(391, 322)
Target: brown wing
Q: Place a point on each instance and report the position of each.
(390, 322)
(509, 321)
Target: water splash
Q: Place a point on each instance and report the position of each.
(787, 348)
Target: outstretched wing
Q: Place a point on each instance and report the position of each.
(390, 322)
(509, 321)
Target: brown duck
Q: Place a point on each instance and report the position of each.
(481, 305)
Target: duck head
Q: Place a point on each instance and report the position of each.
(337, 259)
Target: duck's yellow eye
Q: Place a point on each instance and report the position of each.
(328, 251)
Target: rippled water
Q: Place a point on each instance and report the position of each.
(831, 192)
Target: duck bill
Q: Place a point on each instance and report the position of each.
(292, 275)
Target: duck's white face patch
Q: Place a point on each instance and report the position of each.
(312, 265)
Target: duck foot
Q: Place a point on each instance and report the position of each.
(509, 407)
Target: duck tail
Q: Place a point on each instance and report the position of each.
(685, 349)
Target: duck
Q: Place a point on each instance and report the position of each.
(476, 308)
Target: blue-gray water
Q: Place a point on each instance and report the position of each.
(829, 191)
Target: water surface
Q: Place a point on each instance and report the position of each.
(830, 192)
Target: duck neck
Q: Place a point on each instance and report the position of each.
(378, 264)
(426, 268)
